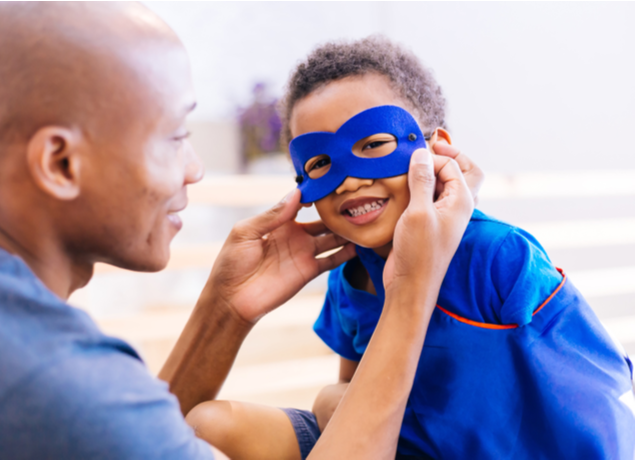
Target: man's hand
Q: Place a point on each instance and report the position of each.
(428, 232)
(267, 259)
(471, 172)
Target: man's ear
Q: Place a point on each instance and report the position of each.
(439, 134)
(53, 159)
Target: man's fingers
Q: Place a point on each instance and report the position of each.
(443, 148)
(258, 226)
(334, 260)
(474, 176)
(421, 179)
(315, 228)
(453, 185)
(327, 242)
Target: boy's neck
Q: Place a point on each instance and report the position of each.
(383, 251)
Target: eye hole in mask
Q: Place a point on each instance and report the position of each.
(375, 146)
(317, 166)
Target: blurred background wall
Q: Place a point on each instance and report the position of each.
(541, 95)
(530, 86)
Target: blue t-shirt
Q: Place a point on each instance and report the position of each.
(499, 275)
(515, 364)
(67, 391)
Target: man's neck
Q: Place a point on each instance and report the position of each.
(49, 263)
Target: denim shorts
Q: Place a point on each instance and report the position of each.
(306, 429)
(307, 432)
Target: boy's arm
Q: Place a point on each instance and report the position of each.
(347, 369)
(330, 396)
(367, 422)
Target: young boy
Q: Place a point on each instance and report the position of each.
(515, 364)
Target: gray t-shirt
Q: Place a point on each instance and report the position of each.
(67, 391)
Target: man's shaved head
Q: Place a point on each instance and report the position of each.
(55, 59)
(93, 148)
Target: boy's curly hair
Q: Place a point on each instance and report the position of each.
(374, 54)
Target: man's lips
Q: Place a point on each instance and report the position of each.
(174, 218)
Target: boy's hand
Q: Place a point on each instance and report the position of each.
(268, 258)
(474, 176)
(428, 232)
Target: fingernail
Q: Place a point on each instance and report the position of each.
(422, 156)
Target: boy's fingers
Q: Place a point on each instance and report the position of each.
(421, 178)
(258, 226)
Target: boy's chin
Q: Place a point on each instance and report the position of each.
(381, 245)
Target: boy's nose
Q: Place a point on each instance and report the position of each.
(352, 184)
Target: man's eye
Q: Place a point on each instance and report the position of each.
(182, 137)
(321, 163)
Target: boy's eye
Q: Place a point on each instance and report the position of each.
(375, 146)
(317, 166)
(321, 163)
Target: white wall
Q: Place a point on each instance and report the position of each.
(530, 86)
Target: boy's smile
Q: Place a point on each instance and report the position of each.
(364, 211)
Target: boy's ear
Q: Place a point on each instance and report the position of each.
(439, 134)
(53, 159)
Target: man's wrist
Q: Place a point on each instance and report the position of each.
(213, 310)
(415, 296)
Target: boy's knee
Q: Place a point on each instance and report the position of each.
(326, 402)
(212, 421)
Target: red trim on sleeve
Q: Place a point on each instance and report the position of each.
(504, 326)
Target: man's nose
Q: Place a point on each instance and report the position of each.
(194, 169)
(352, 184)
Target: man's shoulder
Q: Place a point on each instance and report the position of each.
(69, 391)
(37, 329)
(94, 403)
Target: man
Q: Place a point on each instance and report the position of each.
(94, 165)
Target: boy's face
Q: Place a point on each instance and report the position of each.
(364, 211)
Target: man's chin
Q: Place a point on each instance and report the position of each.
(146, 263)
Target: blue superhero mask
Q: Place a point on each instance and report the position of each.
(338, 146)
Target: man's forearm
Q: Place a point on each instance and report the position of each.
(368, 420)
(204, 353)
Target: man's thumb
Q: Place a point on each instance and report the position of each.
(421, 178)
(266, 222)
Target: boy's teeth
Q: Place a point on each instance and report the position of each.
(361, 210)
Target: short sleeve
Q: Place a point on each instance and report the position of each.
(98, 404)
(330, 325)
(523, 277)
